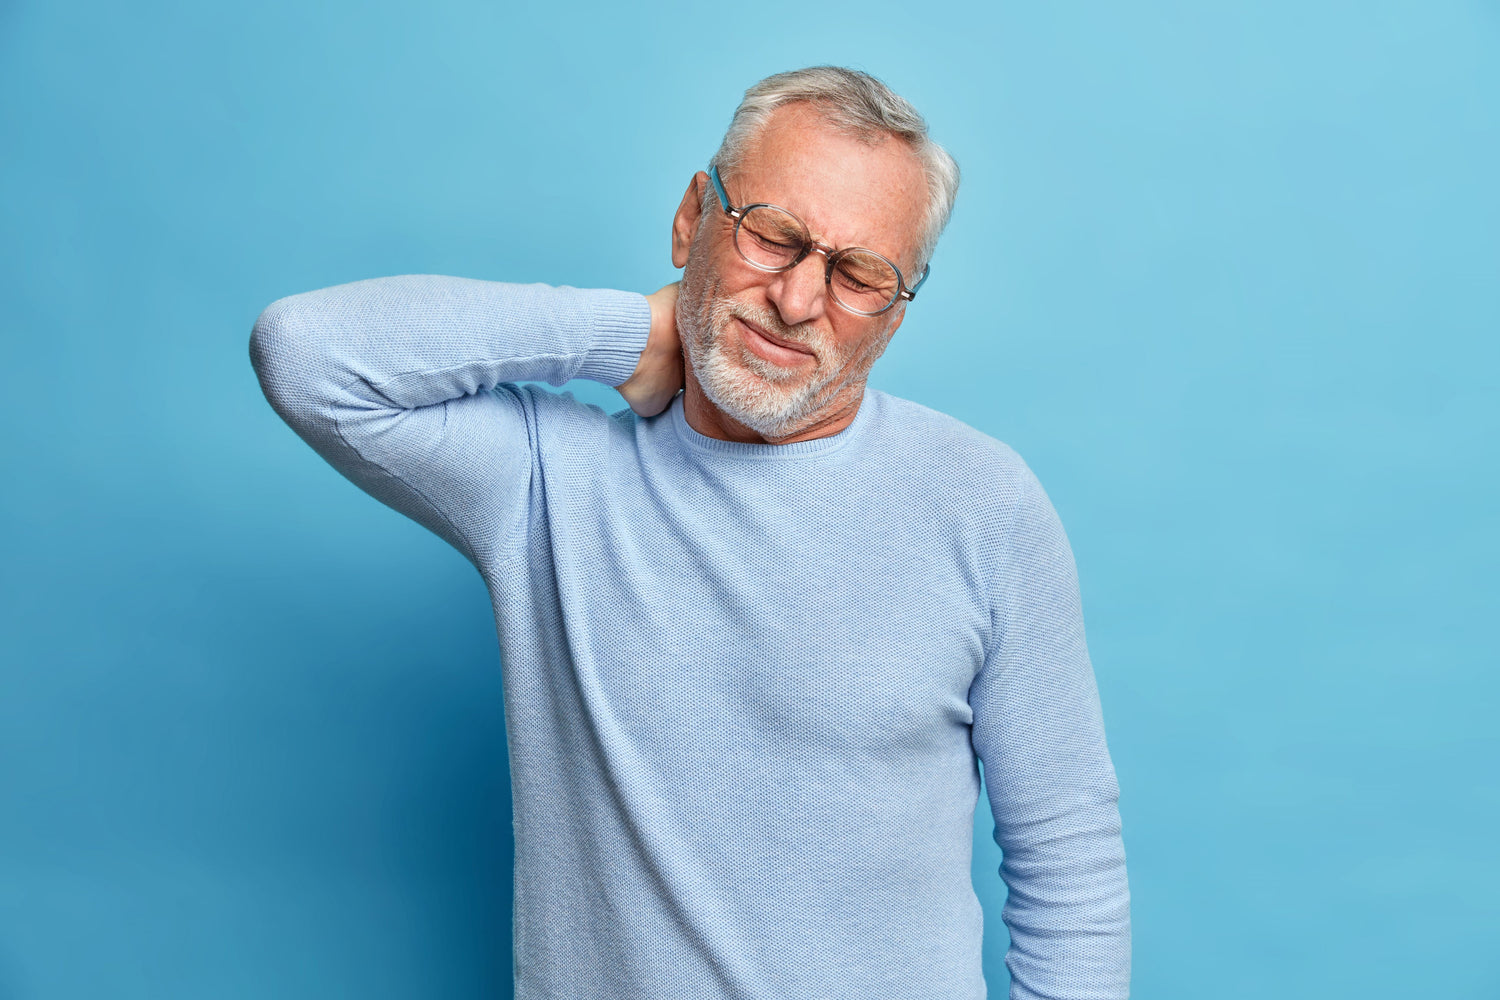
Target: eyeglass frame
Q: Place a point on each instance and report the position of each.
(811, 246)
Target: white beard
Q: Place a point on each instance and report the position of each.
(770, 399)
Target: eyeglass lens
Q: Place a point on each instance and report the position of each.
(861, 281)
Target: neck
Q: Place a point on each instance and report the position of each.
(710, 421)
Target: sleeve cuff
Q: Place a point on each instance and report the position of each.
(621, 325)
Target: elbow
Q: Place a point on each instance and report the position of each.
(280, 354)
(272, 342)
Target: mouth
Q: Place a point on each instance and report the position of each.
(782, 352)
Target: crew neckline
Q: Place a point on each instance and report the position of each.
(761, 451)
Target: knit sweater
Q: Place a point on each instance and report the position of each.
(747, 686)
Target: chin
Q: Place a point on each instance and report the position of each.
(774, 401)
(737, 390)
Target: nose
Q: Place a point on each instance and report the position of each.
(801, 294)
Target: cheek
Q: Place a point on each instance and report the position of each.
(865, 351)
(721, 268)
(700, 281)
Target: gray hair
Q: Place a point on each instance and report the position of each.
(855, 104)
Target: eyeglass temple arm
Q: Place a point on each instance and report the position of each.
(910, 293)
(713, 175)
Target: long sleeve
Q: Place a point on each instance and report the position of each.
(1039, 730)
(403, 385)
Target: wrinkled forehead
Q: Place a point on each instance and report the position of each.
(851, 191)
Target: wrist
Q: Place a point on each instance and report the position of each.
(620, 323)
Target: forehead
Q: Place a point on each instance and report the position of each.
(849, 192)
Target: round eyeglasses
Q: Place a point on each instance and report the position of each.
(770, 238)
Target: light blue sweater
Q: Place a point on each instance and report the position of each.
(745, 685)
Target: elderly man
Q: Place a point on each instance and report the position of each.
(759, 629)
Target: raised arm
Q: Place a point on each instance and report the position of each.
(403, 385)
(1039, 730)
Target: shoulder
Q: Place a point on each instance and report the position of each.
(1026, 558)
(985, 487)
(953, 454)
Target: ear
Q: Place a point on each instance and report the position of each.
(689, 214)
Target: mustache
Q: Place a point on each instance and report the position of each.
(802, 334)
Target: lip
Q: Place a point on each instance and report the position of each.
(772, 348)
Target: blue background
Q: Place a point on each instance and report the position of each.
(1226, 275)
